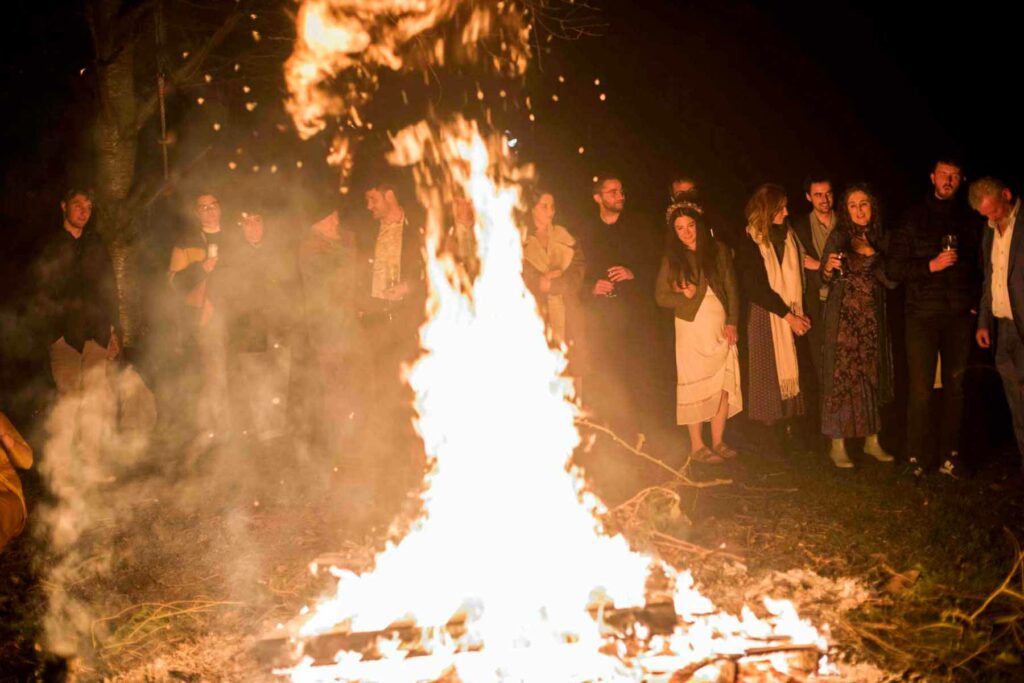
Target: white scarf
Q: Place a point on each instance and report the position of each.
(786, 280)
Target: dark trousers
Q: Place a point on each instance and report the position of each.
(927, 338)
(1010, 364)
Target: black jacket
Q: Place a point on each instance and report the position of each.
(77, 295)
(953, 291)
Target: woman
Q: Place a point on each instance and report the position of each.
(553, 268)
(769, 263)
(698, 282)
(857, 359)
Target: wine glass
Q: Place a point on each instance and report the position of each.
(840, 269)
(949, 242)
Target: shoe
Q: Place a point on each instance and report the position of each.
(725, 451)
(838, 455)
(706, 455)
(875, 450)
(950, 466)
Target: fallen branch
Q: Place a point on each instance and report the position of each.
(699, 550)
(676, 474)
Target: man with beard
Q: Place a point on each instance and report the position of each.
(618, 296)
(934, 252)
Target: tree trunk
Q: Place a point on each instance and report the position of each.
(116, 145)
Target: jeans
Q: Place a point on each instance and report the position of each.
(927, 338)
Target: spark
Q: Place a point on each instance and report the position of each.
(216, 126)
(200, 101)
(250, 105)
(232, 165)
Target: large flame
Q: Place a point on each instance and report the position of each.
(509, 544)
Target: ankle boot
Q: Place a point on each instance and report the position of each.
(875, 450)
(838, 455)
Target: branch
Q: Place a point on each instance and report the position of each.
(651, 459)
(191, 67)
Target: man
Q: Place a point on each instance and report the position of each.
(934, 252)
(327, 267)
(260, 297)
(193, 273)
(390, 295)
(79, 303)
(813, 229)
(618, 298)
(681, 183)
(1001, 313)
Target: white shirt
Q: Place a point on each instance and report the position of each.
(387, 258)
(1001, 266)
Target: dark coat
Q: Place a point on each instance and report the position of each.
(953, 291)
(724, 286)
(1015, 277)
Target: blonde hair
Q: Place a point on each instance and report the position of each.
(761, 208)
(984, 187)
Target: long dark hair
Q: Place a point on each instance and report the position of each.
(873, 230)
(706, 251)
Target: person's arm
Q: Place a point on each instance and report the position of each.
(753, 279)
(727, 273)
(14, 444)
(571, 280)
(901, 265)
(183, 274)
(985, 319)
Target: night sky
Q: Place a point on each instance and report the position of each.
(736, 93)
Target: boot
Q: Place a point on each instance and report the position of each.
(838, 455)
(875, 450)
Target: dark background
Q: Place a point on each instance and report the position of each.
(735, 93)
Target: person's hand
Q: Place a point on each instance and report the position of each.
(552, 274)
(619, 274)
(944, 260)
(545, 283)
(832, 263)
(731, 335)
(396, 293)
(113, 347)
(8, 441)
(209, 264)
(800, 324)
(811, 263)
(603, 288)
(689, 290)
(983, 338)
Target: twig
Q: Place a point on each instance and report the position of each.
(651, 459)
(694, 548)
(1003, 589)
(687, 672)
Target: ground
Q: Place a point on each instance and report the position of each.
(898, 569)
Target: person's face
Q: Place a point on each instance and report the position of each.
(544, 211)
(686, 231)
(682, 186)
(780, 215)
(612, 197)
(252, 228)
(208, 210)
(996, 207)
(859, 206)
(820, 197)
(464, 213)
(377, 204)
(946, 179)
(77, 211)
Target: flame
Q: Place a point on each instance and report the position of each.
(502, 575)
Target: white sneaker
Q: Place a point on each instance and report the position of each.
(948, 468)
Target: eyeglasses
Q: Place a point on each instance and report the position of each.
(209, 207)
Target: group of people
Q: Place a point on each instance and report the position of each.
(786, 320)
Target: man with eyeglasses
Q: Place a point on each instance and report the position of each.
(193, 273)
(619, 295)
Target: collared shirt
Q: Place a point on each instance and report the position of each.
(1001, 266)
(387, 258)
(820, 231)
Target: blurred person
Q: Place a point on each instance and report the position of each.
(78, 304)
(553, 268)
(194, 275)
(697, 281)
(934, 252)
(857, 372)
(14, 452)
(327, 269)
(260, 296)
(619, 278)
(390, 297)
(769, 265)
(461, 238)
(1001, 312)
